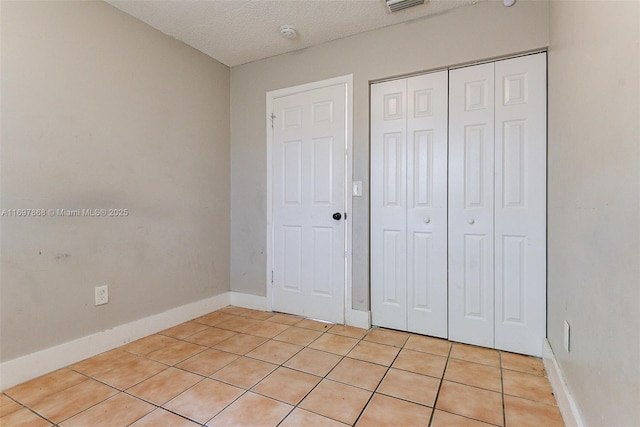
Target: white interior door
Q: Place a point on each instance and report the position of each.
(471, 193)
(520, 204)
(409, 204)
(309, 146)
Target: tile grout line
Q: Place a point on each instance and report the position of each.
(282, 365)
(322, 378)
(325, 377)
(246, 390)
(28, 408)
(435, 401)
(118, 391)
(381, 379)
(31, 409)
(504, 409)
(226, 406)
(204, 377)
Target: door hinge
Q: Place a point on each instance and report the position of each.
(273, 117)
(272, 277)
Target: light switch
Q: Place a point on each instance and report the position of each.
(357, 188)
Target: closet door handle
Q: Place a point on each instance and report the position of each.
(470, 221)
(427, 220)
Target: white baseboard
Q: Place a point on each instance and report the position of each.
(249, 301)
(567, 405)
(359, 319)
(24, 368)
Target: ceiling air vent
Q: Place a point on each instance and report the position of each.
(396, 5)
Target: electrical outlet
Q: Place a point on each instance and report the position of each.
(102, 295)
(567, 336)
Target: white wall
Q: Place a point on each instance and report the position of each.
(467, 34)
(594, 205)
(102, 111)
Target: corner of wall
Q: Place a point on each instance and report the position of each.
(566, 403)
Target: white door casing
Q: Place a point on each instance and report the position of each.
(409, 204)
(471, 134)
(308, 152)
(520, 204)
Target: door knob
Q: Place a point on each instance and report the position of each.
(427, 220)
(470, 221)
(337, 216)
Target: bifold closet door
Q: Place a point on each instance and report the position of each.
(497, 204)
(471, 153)
(409, 204)
(389, 204)
(520, 204)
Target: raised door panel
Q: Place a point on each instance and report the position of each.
(427, 105)
(291, 172)
(389, 204)
(290, 257)
(471, 199)
(520, 204)
(322, 172)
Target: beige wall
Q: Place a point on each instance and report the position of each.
(594, 205)
(101, 111)
(466, 34)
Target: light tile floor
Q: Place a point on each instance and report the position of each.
(241, 367)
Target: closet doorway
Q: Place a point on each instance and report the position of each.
(458, 204)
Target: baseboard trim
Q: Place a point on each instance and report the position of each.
(21, 369)
(357, 318)
(567, 405)
(249, 301)
(30, 366)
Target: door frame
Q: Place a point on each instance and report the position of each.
(350, 318)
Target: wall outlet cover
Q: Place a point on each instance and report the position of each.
(101, 295)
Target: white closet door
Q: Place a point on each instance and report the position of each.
(520, 204)
(427, 204)
(471, 190)
(409, 204)
(388, 204)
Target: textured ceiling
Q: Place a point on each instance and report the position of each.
(239, 31)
